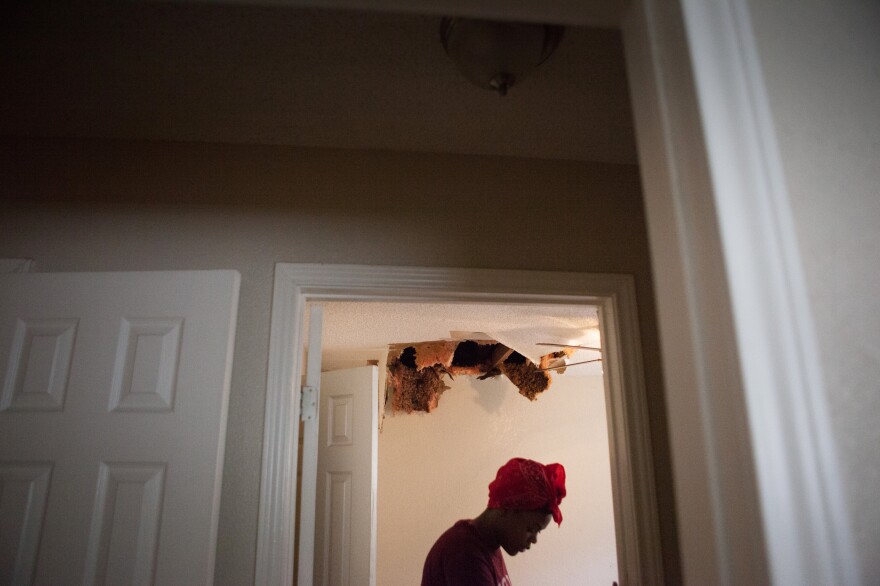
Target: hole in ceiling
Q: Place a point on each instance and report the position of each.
(416, 372)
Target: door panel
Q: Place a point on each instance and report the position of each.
(23, 490)
(347, 468)
(117, 385)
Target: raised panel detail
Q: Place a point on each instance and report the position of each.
(39, 365)
(24, 487)
(337, 542)
(124, 535)
(145, 371)
(340, 420)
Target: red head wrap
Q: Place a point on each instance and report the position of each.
(528, 485)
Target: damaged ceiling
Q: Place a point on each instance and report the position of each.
(416, 372)
(421, 343)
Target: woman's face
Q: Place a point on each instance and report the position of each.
(520, 529)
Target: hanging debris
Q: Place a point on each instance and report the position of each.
(528, 378)
(556, 361)
(415, 371)
(413, 389)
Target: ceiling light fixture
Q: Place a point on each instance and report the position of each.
(497, 55)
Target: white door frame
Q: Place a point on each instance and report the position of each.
(636, 515)
(759, 495)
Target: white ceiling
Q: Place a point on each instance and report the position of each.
(251, 73)
(355, 332)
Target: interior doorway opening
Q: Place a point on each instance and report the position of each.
(632, 477)
(434, 468)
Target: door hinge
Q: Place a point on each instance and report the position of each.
(308, 407)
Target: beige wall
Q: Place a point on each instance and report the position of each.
(93, 205)
(435, 469)
(820, 61)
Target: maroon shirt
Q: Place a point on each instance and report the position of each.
(461, 557)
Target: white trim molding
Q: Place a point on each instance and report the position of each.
(805, 520)
(759, 495)
(635, 504)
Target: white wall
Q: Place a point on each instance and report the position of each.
(103, 206)
(435, 469)
(821, 63)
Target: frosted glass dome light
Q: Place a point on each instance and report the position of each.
(497, 55)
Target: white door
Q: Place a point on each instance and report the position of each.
(112, 425)
(340, 412)
(345, 552)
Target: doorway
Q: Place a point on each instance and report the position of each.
(635, 511)
(433, 468)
